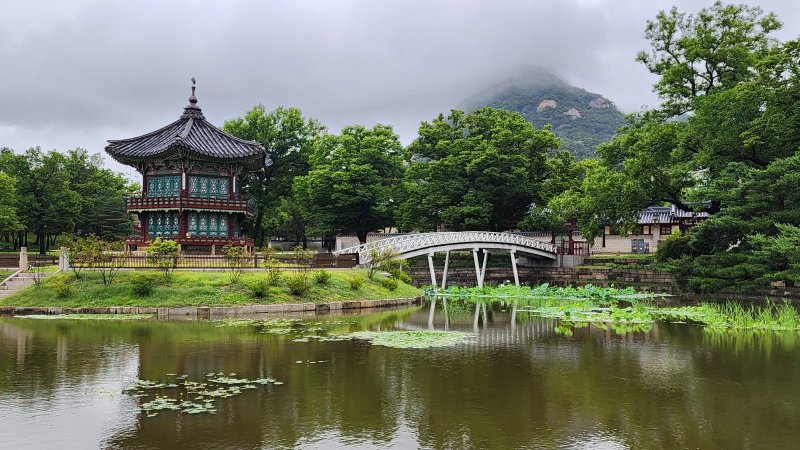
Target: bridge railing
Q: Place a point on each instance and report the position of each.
(412, 242)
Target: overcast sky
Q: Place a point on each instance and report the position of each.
(76, 73)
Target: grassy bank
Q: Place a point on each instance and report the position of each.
(202, 289)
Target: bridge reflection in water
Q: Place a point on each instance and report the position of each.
(500, 323)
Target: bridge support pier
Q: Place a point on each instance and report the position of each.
(430, 267)
(430, 315)
(444, 274)
(480, 269)
(514, 266)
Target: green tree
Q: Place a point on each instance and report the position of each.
(736, 156)
(353, 181)
(48, 206)
(9, 220)
(604, 197)
(716, 49)
(722, 65)
(101, 194)
(477, 171)
(287, 136)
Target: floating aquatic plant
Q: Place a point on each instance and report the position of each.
(203, 393)
(413, 339)
(526, 295)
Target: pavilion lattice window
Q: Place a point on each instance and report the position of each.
(210, 187)
(164, 186)
(208, 224)
(163, 224)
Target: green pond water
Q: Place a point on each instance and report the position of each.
(287, 383)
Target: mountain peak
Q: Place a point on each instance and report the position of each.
(582, 119)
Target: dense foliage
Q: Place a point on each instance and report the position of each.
(734, 156)
(353, 182)
(288, 137)
(477, 171)
(51, 194)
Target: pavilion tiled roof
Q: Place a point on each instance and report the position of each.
(667, 214)
(191, 134)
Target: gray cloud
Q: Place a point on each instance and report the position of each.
(78, 73)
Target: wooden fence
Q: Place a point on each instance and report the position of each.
(321, 260)
(11, 260)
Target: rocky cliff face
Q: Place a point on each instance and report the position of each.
(582, 119)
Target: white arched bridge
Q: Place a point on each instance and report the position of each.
(411, 245)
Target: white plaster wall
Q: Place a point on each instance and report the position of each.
(622, 244)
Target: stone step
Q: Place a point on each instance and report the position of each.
(15, 285)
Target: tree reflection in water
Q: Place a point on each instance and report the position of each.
(520, 383)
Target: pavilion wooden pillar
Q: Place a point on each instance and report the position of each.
(183, 224)
(143, 225)
(184, 184)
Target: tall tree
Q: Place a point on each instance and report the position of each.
(9, 220)
(716, 49)
(47, 204)
(353, 181)
(477, 171)
(287, 136)
(101, 195)
(735, 156)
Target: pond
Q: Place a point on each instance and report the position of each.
(287, 383)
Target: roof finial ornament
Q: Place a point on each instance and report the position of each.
(193, 99)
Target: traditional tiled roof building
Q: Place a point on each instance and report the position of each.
(654, 225)
(190, 182)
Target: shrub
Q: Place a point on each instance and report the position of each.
(304, 258)
(164, 255)
(272, 265)
(388, 283)
(673, 246)
(298, 284)
(401, 276)
(94, 253)
(142, 284)
(274, 276)
(236, 259)
(387, 260)
(355, 283)
(322, 276)
(260, 288)
(61, 288)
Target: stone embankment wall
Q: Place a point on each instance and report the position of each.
(643, 279)
(205, 312)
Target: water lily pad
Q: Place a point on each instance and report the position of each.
(174, 396)
(414, 339)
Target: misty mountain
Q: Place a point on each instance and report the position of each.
(580, 118)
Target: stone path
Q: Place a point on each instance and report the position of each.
(19, 281)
